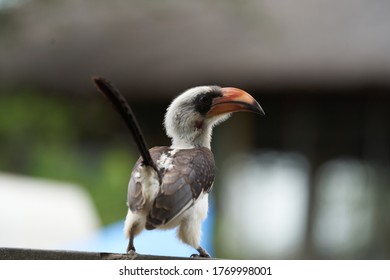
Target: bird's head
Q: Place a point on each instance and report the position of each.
(191, 116)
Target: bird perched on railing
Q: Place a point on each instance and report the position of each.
(169, 186)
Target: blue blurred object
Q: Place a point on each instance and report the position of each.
(154, 242)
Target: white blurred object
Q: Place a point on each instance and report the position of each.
(43, 214)
(346, 207)
(264, 205)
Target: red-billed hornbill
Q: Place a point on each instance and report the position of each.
(169, 186)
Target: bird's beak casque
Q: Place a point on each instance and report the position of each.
(233, 100)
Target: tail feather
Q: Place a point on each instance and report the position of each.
(123, 108)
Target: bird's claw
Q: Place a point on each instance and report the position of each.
(132, 254)
(202, 253)
(197, 256)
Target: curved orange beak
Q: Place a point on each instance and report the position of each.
(234, 100)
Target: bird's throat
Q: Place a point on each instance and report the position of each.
(199, 124)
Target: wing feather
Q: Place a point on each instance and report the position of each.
(191, 173)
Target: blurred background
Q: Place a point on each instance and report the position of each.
(310, 180)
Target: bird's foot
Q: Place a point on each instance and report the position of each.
(132, 254)
(197, 256)
(202, 254)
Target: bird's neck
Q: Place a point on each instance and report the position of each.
(197, 139)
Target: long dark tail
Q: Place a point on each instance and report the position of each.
(122, 107)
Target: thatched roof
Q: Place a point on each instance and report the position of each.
(167, 46)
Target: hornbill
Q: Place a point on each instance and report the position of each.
(169, 186)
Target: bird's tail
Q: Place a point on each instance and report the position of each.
(123, 108)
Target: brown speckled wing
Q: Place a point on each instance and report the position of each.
(135, 199)
(192, 173)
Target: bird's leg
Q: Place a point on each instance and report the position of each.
(202, 253)
(130, 247)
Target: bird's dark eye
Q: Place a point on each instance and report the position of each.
(203, 99)
(203, 103)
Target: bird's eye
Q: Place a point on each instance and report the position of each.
(203, 103)
(203, 99)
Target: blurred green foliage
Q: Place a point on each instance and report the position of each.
(67, 138)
